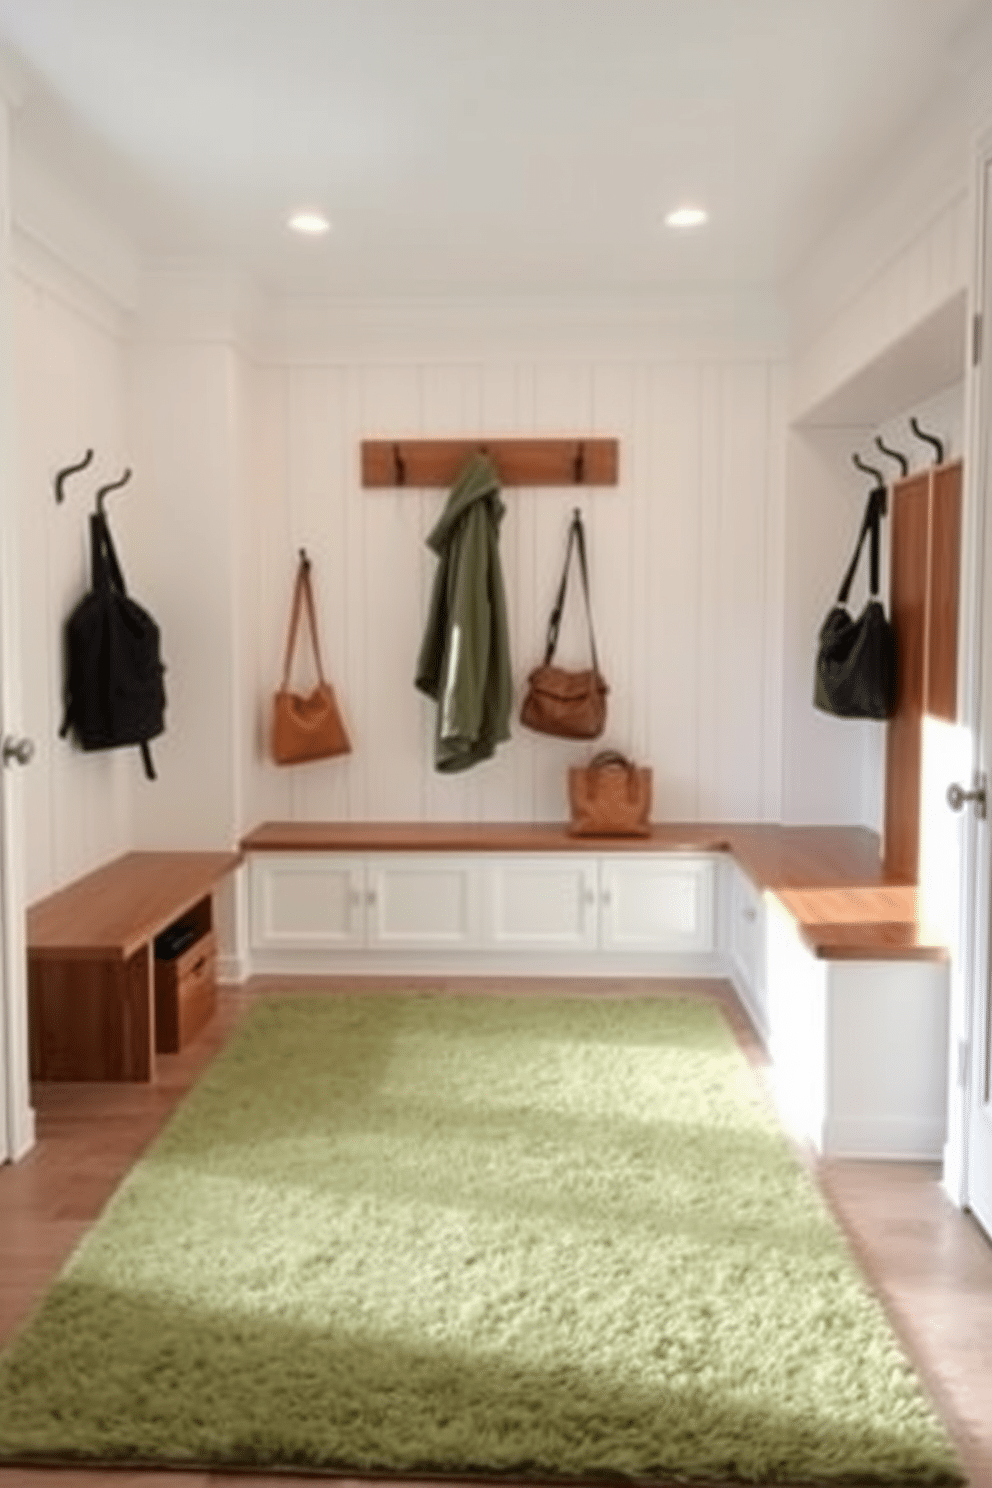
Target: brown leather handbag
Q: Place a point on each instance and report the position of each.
(610, 797)
(568, 704)
(306, 726)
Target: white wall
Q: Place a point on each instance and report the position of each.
(685, 560)
(70, 390)
(186, 408)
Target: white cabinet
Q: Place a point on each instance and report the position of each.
(547, 902)
(481, 911)
(657, 903)
(747, 946)
(418, 901)
(307, 901)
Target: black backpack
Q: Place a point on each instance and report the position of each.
(114, 693)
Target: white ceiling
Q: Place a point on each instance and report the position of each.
(478, 146)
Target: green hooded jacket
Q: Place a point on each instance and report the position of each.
(464, 661)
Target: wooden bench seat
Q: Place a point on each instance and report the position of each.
(830, 879)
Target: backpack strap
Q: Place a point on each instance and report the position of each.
(576, 538)
(105, 568)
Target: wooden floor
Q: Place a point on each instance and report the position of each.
(931, 1265)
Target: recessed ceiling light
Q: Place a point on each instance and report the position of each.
(310, 223)
(687, 216)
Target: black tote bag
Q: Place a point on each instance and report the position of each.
(856, 658)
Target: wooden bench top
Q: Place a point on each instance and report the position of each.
(116, 909)
(830, 879)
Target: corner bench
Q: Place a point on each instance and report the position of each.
(848, 988)
(99, 1006)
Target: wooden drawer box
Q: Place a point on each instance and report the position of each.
(185, 994)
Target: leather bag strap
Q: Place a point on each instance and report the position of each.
(871, 525)
(302, 605)
(576, 539)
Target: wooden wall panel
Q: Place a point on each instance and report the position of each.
(909, 526)
(945, 565)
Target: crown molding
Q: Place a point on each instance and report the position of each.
(921, 180)
(13, 82)
(63, 228)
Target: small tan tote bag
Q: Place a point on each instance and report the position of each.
(306, 726)
(610, 797)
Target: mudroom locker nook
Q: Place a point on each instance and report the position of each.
(241, 415)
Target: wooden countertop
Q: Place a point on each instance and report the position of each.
(116, 909)
(830, 879)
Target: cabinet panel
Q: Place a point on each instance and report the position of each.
(747, 944)
(543, 903)
(423, 902)
(307, 901)
(657, 904)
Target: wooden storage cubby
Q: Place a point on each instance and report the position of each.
(99, 1005)
(186, 984)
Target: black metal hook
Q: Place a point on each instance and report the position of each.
(399, 466)
(931, 439)
(879, 495)
(70, 470)
(893, 454)
(113, 486)
(304, 560)
(868, 469)
(579, 466)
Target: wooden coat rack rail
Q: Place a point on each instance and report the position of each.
(520, 462)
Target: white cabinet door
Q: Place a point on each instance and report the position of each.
(307, 901)
(543, 902)
(423, 902)
(653, 903)
(747, 945)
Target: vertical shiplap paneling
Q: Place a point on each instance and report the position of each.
(528, 618)
(498, 778)
(387, 550)
(78, 807)
(711, 602)
(672, 561)
(563, 403)
(320, 525)
(683, 556)
(616, 532)
(264, 609)
(740, 656)
(776, 423)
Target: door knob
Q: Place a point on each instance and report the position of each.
(19, 750)
(957, 796)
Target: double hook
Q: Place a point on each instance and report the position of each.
(102, 491)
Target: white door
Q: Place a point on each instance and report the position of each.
(16, 1117)
(978, 1144)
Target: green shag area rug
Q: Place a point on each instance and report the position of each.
(433, 1235)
